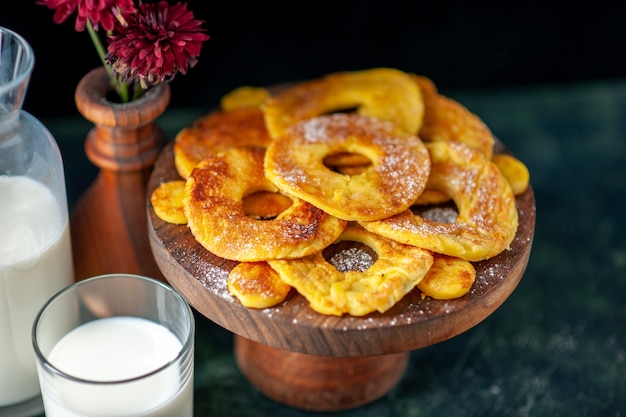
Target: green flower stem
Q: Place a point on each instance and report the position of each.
(138, 91)
(120, 87)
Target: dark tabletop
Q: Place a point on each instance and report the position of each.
(557, 346)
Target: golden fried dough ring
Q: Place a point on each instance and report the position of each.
(167, 202)
(448, 120)
(487, 215)
(395, 273)
(384, 93)
(215, 215)
(427, 87)
(216, 132)
(244, 96)
(448, 278)
(397, 175)
(514, 170)
(257, 285)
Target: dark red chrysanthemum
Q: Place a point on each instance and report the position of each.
(157, 42)
(99, 12)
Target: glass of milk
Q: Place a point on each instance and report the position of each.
(113, 346)
(35, 249)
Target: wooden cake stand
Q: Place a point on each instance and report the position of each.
(316, 362)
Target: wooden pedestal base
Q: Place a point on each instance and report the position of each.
(318, 383)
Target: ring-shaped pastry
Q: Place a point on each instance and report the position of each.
(448, 278)
(384, 93)
(514, 170)
(244, 96)
(213, 205)
(446, 119)
(396, 271)
(218, 131)
(167, 202)
(487, 217)
(257, 285)
(398, 173)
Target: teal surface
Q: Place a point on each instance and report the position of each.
(557, 346)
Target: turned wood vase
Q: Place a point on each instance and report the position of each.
(108, 223)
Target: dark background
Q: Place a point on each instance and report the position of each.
(460, 45)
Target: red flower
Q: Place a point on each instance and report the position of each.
(147, 45)
(99, 12)
(156, 43)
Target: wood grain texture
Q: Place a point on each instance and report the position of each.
(412, 323)
(318, 383)
(108, 223)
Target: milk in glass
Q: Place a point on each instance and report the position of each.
(116, 349)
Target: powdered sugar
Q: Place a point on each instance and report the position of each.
(216, 279)
(440, 214)
(400, 165)
(352, 259)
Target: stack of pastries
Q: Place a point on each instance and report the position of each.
(278, 180)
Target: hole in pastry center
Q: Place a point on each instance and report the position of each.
(347, 110)
(350, 256)
(265, 205)
(441, 213)
(347, 163)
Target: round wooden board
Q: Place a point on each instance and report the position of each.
(413, 323)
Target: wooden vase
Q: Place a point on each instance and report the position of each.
(109, 223)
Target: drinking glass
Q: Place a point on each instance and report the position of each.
(116, 345)
(35, 247)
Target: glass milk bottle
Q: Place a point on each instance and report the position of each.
(35, 249)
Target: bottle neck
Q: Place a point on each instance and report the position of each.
(9, 124)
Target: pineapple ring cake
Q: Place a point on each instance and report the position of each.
(167, 203)
(244, 96)
(213, 201)
(396, 271)
(446, 119)
(218, 131)
(398, 173)
(487, 217)
(257, 285)
(448, 278)
(384, 93)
